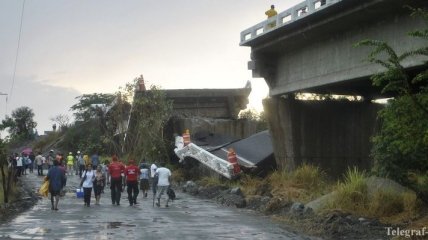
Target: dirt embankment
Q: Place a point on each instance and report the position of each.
(26, 197)
(332, 225)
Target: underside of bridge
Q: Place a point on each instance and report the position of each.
(316, 54)
(333, 134)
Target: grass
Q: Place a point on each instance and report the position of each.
(12, 193)
(309, 182)
(351, 193)
(213, 181)
(178, 175)
(388, 206)
(305, 184)
(251, 185)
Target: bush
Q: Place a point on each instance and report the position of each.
(400, 146)
(309, 177)
(387, 205)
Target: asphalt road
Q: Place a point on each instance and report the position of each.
(186, 218)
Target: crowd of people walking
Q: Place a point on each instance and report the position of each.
(96, 175)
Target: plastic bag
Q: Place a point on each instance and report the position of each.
(44, 189)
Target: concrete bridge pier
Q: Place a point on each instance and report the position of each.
(332, 134)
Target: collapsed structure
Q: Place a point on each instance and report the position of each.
(211, 116)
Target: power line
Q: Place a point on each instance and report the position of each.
(17, 51)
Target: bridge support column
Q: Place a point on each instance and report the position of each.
(331, 134)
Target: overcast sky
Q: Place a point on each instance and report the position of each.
(71, 47)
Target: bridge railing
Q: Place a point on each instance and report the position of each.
(288, 16)
(213, 162)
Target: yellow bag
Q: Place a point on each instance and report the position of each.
(44, 189)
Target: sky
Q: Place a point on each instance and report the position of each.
(72, 47)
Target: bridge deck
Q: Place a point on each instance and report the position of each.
(284, 18)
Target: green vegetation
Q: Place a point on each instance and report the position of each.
(258, 117)
(306, 183)
(353, 196)
(98, 118)
(7, 184)
(20, 125)
(150, 112)
(401, 146)
(253, 185)
(46, 141)
(84, 109)
(178, 175)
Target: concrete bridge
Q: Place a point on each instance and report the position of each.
(311, 49)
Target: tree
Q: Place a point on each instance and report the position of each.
(249, 114)
(61, 120)
(116, 123)
(84, 109)
(401, 146)
(21, 124)
(99, 123)
(150, 112)
(6, 182)
(258, 117)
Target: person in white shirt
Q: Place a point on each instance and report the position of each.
(164, 180)
(153, 168)
(144, 179)
(39, 163)
(19, 165)
(88, 183)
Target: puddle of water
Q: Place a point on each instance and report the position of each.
(36, 230)
(112, 225)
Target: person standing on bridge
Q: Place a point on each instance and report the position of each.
(56, 178)
(270, 13)
(164, 180)
(115, 170)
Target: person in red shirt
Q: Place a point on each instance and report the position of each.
(115, 170)
(132, 173)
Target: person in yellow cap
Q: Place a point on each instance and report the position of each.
(270, 13)
(70, 163)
